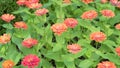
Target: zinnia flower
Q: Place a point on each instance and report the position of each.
(104, 1)
(20, 24)
(117, 26)
(108, 13)
(87, 1)
(34, 5)
(30, 61)
(8, 64)
(71, 22)
(91, 14)
(106, 64)
(117, 50)
(41, 12)
(118, 4)
(59, 28)
(66, 1)
(7, 17)
(29, 42)
(113, 2)
(4, 39)
(74, 48)
(97, 36)
(21, 2)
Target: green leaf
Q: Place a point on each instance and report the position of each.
(69, 64)
(46, 64)
(57, 47)
(68, 58)
(8, 26)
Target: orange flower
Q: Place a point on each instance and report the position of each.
(117, 50)
(66, 1)
(108, 13)
(4, 39)
(20, 25)
(59, 28)
(41, 12)
(7, 17)
(71, 22)
(104, 1)
(31, 61)
(21, 2)
(74, 48)
(91, 14)
(117, 26)
(29, 42)
(87, 1)
(34, 5)
(8, 64)
(98, 36)
(106, 64)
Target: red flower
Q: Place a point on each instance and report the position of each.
(106, 64)
(108, 13)
(4, 39)
(98, 36)
(117, 26)
(21, 2)
(71, 22)
(7, 17)
(117, 50)
(34, 5)
(41, 12)
(74, 48)
(30, 61)
(29, 42)
(104, 1)
(59, 28)
(8, 64)
(91, 14)
(20, 25)
(87, 1)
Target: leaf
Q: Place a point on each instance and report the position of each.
(69, 64)
(46, 64)
(68, 58)
(57, 47)
(8, 26)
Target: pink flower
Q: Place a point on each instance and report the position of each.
(41, 12)
(91, 14)
(30, 61)
(59, 28)
(113, 2)
(104, 1)
(5, 38)
(117, 26)
(66, 1)
(20, 24)
(21, 2)
(108, 13)
(71, 22)
(97, 36)
(29, 42)
(7, 17)
(118, 4)
(106, 64)
(34, 5)
(87, 1)
(74, 48)
(117, 50)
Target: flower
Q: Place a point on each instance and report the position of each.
(106, 64)
(8, 64)
(74, 48)
(34, 5)
(117, 26)
(104, 1)
(97, 36)
(117, 50)
(87, 1)
(29, 42)
(21, 2)
(118, 4)
(30, 61)
(108, 13)
(4, 39)
(7, 17)
(20, 24)
(59, 28)
(41, 12)
(113, 2)
(66, 1)
(91, 14)
(71, 22)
